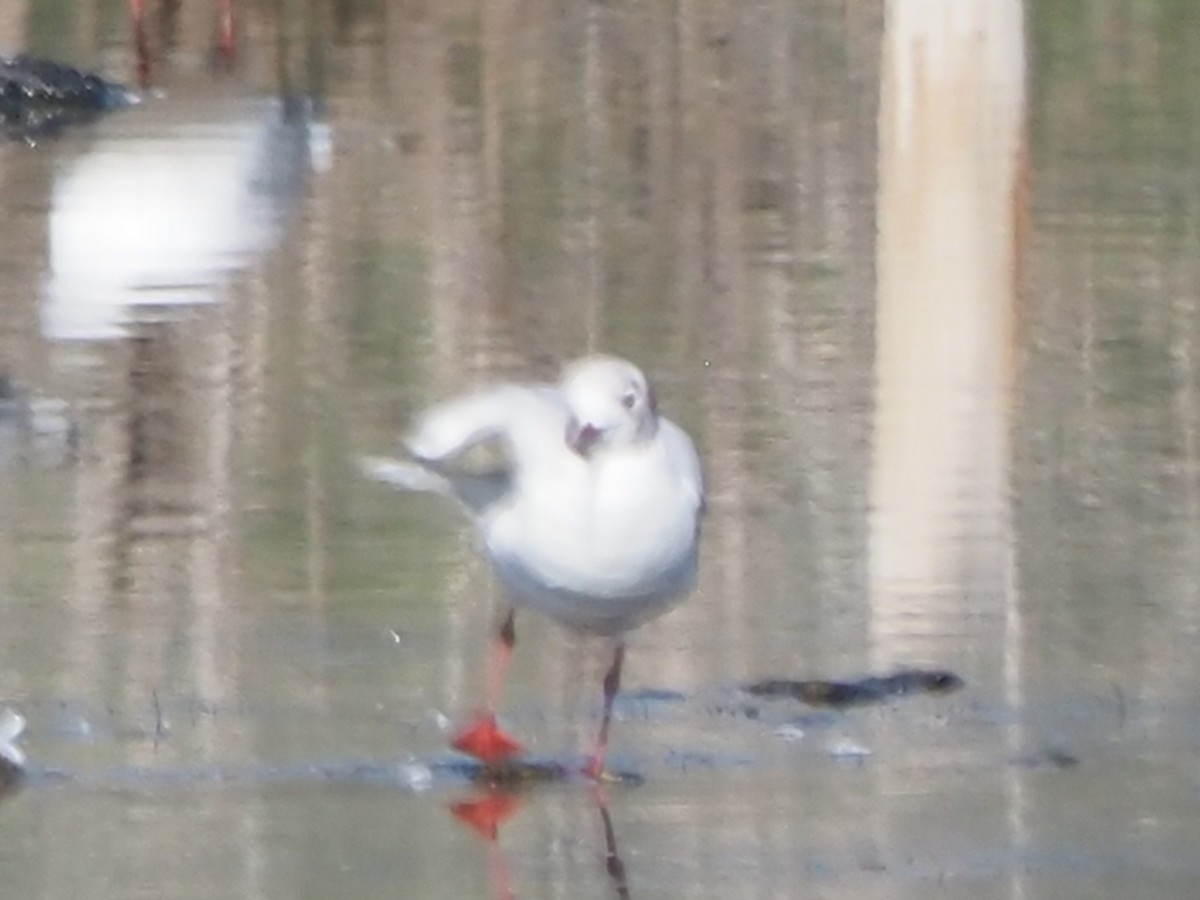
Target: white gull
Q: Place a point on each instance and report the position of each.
(594, 519)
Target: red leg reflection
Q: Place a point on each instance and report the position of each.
(226, 35)
(485, 815)
(489, 810)
(612, 859)
(225, 29)
(141, 45)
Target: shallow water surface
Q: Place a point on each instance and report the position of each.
(920, 278)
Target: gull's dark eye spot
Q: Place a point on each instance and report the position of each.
(629, 399)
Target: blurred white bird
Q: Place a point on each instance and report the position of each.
(12, 724)
(165, 204)
(594, 520)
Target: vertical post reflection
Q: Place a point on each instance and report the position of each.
(950, 222)
(950, 140)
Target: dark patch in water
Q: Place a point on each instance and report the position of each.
(1047, 758)
(12, 776)
(864, 691)
(513, 774)
(38, 97)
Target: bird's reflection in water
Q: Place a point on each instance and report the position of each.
(486, 811)
(612, 859)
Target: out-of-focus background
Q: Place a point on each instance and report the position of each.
(920, 276)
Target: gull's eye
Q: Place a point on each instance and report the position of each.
(629, 399)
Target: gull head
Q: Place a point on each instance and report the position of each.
(610, 403)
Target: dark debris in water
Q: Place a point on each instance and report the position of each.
(38, 97)
(1047, 758)
(863, 692)
(514, 774)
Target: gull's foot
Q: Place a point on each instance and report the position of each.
(484, 740)
(595, 770)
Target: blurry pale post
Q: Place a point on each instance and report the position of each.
(951, 158)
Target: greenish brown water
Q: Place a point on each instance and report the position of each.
(923, 285)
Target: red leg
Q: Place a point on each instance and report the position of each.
(612, 684)
(502, 649)
(141, 45)
(482, 737)
(225, 29)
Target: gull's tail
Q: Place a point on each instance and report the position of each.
(475, 492)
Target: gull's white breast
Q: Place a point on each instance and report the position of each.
(601, 544)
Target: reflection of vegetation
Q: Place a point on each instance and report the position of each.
(348, 13)
(533, 197)
(50, 27)
(1132, 66)
(380, 548)
(465, 71)
(386, 286)
(53, 27)
(1116, 140)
